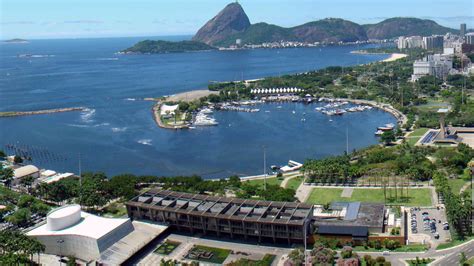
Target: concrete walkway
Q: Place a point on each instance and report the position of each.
(287, 178)
(347, 192)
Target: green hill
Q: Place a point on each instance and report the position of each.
(395, 27)
(259, 33)
(157, 47)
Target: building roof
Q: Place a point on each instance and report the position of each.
(368, 214)
(142, 234)
(63, 221)
(225, 208)
(355, 231)
(25, 171)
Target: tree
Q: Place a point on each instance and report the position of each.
(463, 259)
(17, 159)
(21, 217)
(2, 154)
(387, 137)
(17, 248)
(27, 181)
(122, 186)
(6, 175)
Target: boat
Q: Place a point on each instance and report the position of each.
(340, 112)
(378, 132)
(294, 112)
(303, 120)
(387, 127)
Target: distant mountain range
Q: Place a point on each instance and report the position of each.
(232, 23)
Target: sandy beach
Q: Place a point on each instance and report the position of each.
(394, 57)
(190, 95)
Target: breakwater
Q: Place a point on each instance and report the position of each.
(41, 112)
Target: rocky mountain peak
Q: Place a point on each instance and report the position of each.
(232, 19)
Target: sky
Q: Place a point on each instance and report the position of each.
(50, 19)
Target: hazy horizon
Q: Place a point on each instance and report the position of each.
(54, 19)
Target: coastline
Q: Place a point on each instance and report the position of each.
(393, 56)
(186, 96)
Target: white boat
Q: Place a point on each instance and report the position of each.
(378, 132)
(387, 127)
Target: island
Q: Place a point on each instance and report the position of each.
(159, 47)
(16, 40)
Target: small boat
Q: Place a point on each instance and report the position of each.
(267, 111)
(387, 127)
(279, 107)
(378, 132)
(303, 120)
(294, 112)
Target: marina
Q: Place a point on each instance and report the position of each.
(121, 132)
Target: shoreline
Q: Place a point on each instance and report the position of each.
(41, 112)
(391, 58)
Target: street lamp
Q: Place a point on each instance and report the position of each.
(60, 241)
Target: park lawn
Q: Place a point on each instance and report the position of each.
(456, 184)
(267, 260)
(294, 182)
(417, 197)
(414, 136)
(167, 247)
(418, 132)
(219, 254)
(270, 181)
(325, 195)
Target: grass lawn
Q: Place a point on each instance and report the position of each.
(420, 262)
(453, 243)
(294, 182)
(416, 135)
(115, 210)
(325, 195)
(417, 197)
(456, 184)
(167, 247)
(470, 261)
(218, 254)
(270, 181)
(407, 248)
(267, 260)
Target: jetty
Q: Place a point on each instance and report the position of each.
(41, 112)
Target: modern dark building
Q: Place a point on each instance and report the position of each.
(350, 220)
(463, 29)
(252, 220)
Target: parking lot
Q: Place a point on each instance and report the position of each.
(430, 222)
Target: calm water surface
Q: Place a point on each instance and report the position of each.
(118, 134)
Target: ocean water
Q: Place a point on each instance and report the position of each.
(117, 133)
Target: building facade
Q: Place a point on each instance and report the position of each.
(433, 42)
(252, 220)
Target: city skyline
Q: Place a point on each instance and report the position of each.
(55, 19)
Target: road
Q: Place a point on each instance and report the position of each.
(443, 257)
